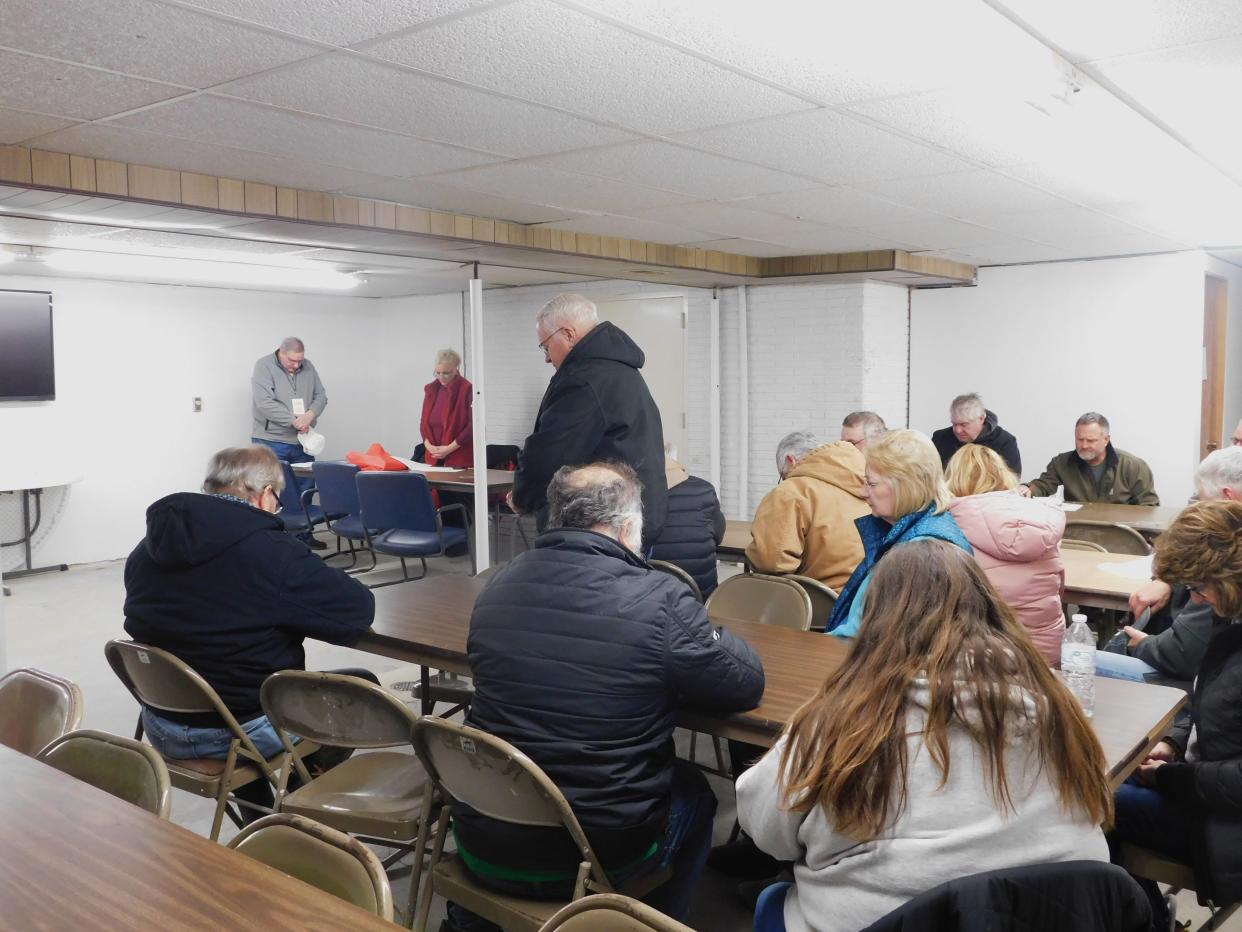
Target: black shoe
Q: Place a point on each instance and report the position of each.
(742, 859)
(315, 544)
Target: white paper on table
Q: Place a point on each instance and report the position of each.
(1070, 506)
(424, 467)
(1138, 569)
(1064, 506)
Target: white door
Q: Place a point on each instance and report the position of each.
(658, 326)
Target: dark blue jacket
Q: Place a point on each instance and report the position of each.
(581, 656)
(222, 586)
(693, 527)
(993, 436)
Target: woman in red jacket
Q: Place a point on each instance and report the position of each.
(447, 422)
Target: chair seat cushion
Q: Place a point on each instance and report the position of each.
(349, 526)
(378, 794)
(400, 542)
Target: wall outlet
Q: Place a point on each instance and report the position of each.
(198, 406)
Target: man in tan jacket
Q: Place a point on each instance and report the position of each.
(806, 524)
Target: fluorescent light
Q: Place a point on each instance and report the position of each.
(198, 271)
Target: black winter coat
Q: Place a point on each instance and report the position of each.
(581, 656)
(223, 587)
(1069, 896)
(596, 407)
(1211, 786)
(693, 527)
(993, 436)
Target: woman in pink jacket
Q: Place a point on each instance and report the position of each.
(1017, 542)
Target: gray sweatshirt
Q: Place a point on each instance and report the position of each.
(842, 884)
(272, 393)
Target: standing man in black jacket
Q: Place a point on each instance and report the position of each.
(971, 422)
(596, 408)
(581, 655)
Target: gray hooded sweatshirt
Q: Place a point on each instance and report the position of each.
(272, 392)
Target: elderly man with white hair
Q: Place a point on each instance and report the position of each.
(806, 524)
(596, 407)
(1173, 654)
(971, 422)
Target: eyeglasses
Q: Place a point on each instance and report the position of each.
(1196, 588)
(279, 506)
(543, 344)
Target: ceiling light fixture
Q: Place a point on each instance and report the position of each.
(198, 271)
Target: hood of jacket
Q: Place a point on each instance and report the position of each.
(991, 426)
(606, 341)
(1009, 527)
(966, 704)
(674, 472)
(190, 528)
(839, 463)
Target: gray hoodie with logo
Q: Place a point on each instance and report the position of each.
(272, 393)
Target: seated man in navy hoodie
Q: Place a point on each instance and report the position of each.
(219, 583)
(582, 655)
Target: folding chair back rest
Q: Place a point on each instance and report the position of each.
(128, 769)
(320, 856)
(769, 600)
(291, 495)
(161, 681)
(1115, 538)
(611, 912)
(329, 708)
(672, 569)
(1068, 543)
(397, 500)
(36, 708)
(823, 598)
(338, 491)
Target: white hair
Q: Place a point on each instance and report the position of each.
(292, 345)
(798, 444)
(1220, 470)
(449, 356)
(670, 450)
(244, 471)
(969, 405)
(568, 310)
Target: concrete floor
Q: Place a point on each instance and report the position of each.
(60, 622)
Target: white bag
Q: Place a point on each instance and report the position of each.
(312, 442)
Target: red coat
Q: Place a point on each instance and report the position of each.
(459, 422)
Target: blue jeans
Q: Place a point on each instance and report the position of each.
(1122, 666)
(1147, 818)
(684, 847)
(189, 742)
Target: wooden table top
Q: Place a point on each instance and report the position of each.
(498, 480)
(1086, 583)
(735, 541)
(427, 622)
(1148, 519)
(74, 857)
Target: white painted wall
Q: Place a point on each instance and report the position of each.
(129, 358)
(1045, 343)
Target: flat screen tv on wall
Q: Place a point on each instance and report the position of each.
(27, 372)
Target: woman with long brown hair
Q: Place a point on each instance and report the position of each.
(942, 747)
(1185, 801)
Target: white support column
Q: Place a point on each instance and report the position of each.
(743, 408)
(482, 550)
(713, 400)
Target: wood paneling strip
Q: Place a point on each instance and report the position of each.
(15, 164)
(201, 190)
(49, 168)
(258, 198)
(287, 203)
(111, 177)
(155, 184)
(81, 173)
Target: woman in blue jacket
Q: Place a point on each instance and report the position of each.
(909, 501)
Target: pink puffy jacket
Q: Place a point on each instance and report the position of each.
(1017, 542)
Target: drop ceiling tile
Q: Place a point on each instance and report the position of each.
(1015, 254)
(107, 141)
(1068, 227)
(630, 228)
(1199, 222)
(674, 168)
(804, 243)
(434, 196)
(336, 22)
(349, 87)
(842, 207)
(43, 86)
(730, 220)
(291, 135)
(16, 126)
(32, 232)
(1104, 28)
(145, 39)
(827, 146)
(965, 194)
(550, 54)
(941, 234)
(131, 240)
(523, 181)
(834, 52)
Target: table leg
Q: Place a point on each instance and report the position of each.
(28, 532)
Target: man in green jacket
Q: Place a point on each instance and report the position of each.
(1094, 471)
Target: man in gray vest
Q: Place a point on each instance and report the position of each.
(287, 399)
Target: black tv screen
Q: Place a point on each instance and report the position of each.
(27, 372)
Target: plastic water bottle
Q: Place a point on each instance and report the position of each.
(1078, 662)
(1058, 497)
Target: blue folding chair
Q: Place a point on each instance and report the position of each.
(297, 514)
(770, 910)
(338, 496)
(400, 519)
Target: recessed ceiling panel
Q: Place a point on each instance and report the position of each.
(530, 182)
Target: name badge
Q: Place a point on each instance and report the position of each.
(299, 407)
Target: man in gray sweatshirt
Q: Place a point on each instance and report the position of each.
(287, 399)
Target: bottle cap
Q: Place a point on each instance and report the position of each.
(1078, 616)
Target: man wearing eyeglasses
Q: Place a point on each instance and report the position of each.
(596, 409)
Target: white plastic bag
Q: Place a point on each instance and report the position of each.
(312, 442)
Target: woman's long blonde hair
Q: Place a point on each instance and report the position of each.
(932, 614)
(975, 469)
(908, 460)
